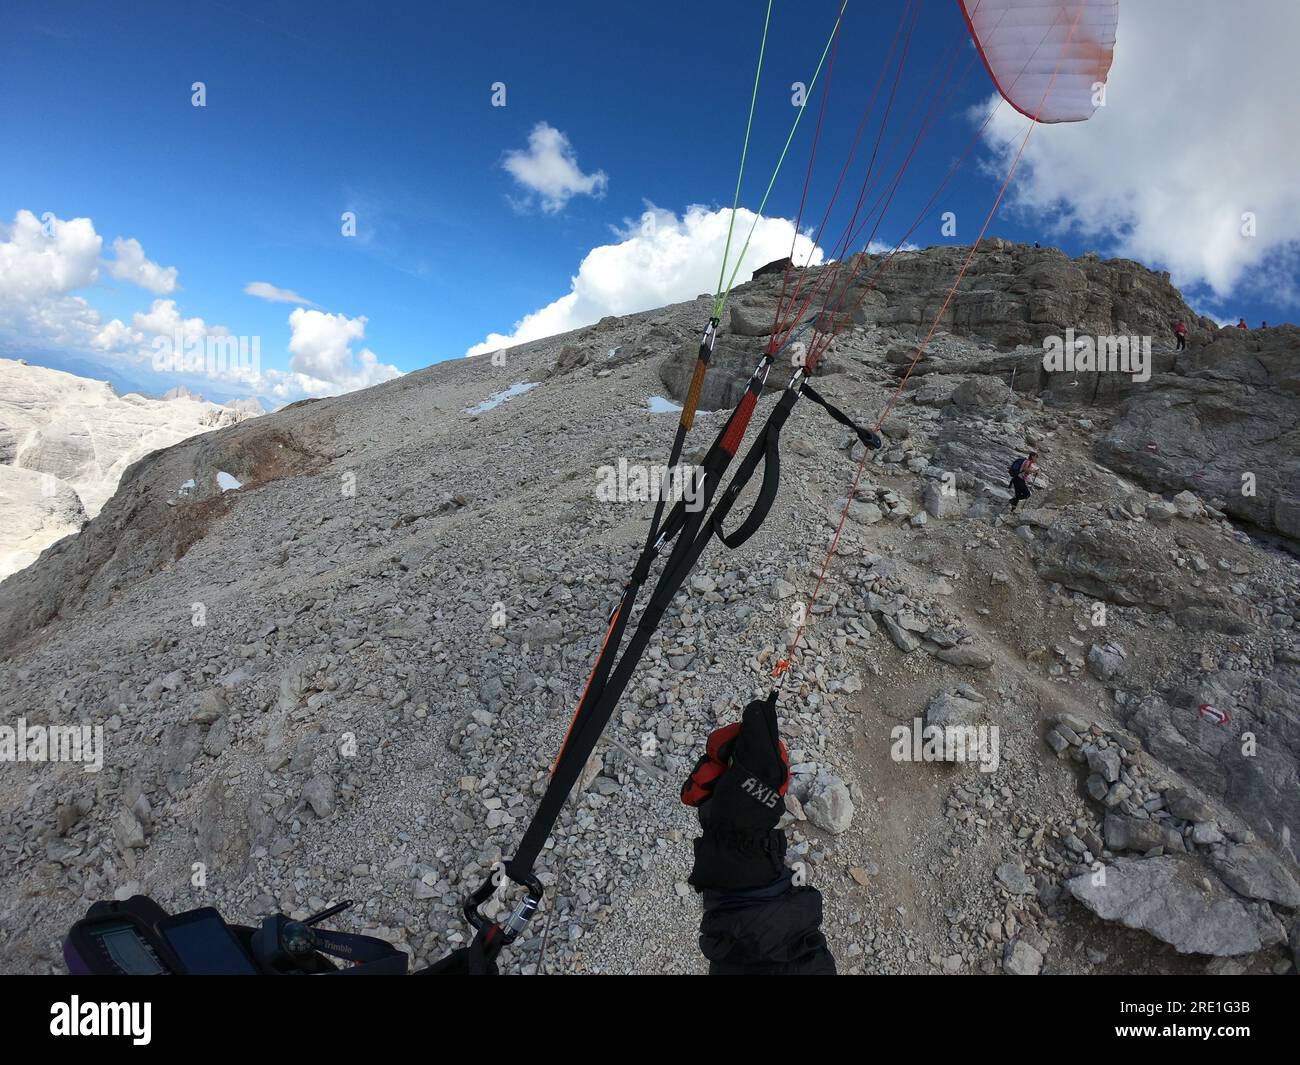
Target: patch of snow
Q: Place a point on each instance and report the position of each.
(497, 398)
(187, 487)
(226, 482)
(659, 405)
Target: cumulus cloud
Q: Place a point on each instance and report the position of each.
(322, 361)
(273, 294)
(117, 337)
(50, 257)
(548, 168)
(1199, 130)
(164, 319)
(131, 265)
(162, 332)
(660, 259)
(321, 345)
(42, 260)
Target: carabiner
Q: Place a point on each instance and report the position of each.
(501, 934)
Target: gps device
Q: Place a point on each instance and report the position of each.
(122, 945)
(118, 938)
(139, 938)
(204, 944)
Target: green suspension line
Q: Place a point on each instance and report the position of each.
(720, 300)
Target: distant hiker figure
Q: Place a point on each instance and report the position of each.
(1180, 335)
(1021, 470)
(1263, 325)
(1241, 324)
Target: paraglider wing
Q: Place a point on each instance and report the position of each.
(1047, 57)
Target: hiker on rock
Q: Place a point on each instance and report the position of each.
(1241, 324)
(1021, 470)
(757, 921)
(1180, 335)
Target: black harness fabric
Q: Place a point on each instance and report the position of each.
(772, 931)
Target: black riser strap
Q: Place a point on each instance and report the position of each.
(765, 449)
(600, 672)
(594, 714)
(866, 436)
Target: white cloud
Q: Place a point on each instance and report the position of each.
(36, 263)
(549, 168)
(661, 259)
(321, 345)
(117, 336)
(131, 265)
(1200, 126)
(273, 294)
(164, 319)
(43, 261)
(322, 360)
(141, 342)
(882, 247)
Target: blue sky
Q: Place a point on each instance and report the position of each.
(385, 110)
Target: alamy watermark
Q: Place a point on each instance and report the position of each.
(215, 356)
(1100, 354)
(53, 743)
(630, 482)
(118, 1019)
(919, 742)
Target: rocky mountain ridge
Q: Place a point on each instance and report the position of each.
(347, 678)
(65, 442)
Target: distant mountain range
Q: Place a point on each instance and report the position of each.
(65, 441)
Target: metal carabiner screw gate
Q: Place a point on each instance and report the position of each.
(710, 334)
(518, 919)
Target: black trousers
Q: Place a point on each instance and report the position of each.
(1021, 490)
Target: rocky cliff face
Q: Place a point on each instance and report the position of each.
(347, 677)
(1220, 419)
(1224, 422)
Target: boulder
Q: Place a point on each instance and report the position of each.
(1021, 959)
(830, 806)
(1106, 661)
(1256, 873)
(967, 655)
(938, 503)
(1168, 897)
(987, 394)
(751, 319)
(1124, 833)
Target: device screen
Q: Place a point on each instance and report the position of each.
(129, 952)
(205, 945)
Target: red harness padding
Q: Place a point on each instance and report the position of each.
(715, 761)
